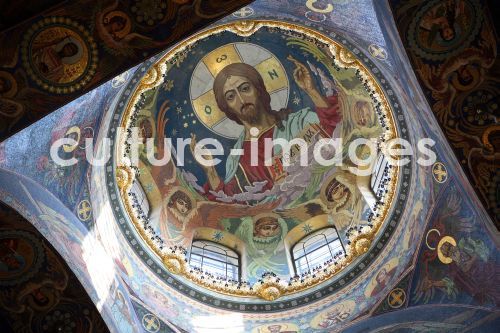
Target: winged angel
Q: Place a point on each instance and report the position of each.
(114, 28)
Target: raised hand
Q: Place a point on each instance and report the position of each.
(305, 81)
(302, 76)
(192, 147)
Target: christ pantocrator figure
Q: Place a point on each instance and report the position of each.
(241, 94)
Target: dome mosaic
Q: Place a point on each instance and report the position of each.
(184, 219)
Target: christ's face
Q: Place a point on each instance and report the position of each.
(242, 98)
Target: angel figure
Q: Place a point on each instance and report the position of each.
(343, 199)
(114, 28)
(181, 214)
(263, 235)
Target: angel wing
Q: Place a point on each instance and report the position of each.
(166, 175)
(211, 212)
(165, 220)
(303, 212)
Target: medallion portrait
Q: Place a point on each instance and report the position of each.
(443, 28)
(20, 257)
(59, 54)
(382, 278)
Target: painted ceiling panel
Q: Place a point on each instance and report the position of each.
(453, 47)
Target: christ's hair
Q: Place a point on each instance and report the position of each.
(254, 77)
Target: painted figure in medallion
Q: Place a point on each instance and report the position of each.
(50, 57)
(440, 20)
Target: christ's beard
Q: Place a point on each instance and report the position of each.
(249, 113)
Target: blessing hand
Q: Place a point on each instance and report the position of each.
(305, 81)
(302, 76)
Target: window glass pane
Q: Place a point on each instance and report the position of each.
(215, 259)
(196, 250)
(195, 261)
(233, 261)
(336, 246)
(298, 251)
(215, 249)
(315, 242)
(315, 249)
(217, 256)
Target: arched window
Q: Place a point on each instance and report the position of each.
(315, 249)
(216, 259)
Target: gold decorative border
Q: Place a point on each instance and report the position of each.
(270, 287)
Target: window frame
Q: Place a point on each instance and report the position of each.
(227, 263)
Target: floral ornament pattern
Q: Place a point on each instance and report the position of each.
(59, 322)
(480, 107)
(149, 12)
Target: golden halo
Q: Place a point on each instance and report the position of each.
(201, 86)
(427, 238)
(72, 130)
(441, 256)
